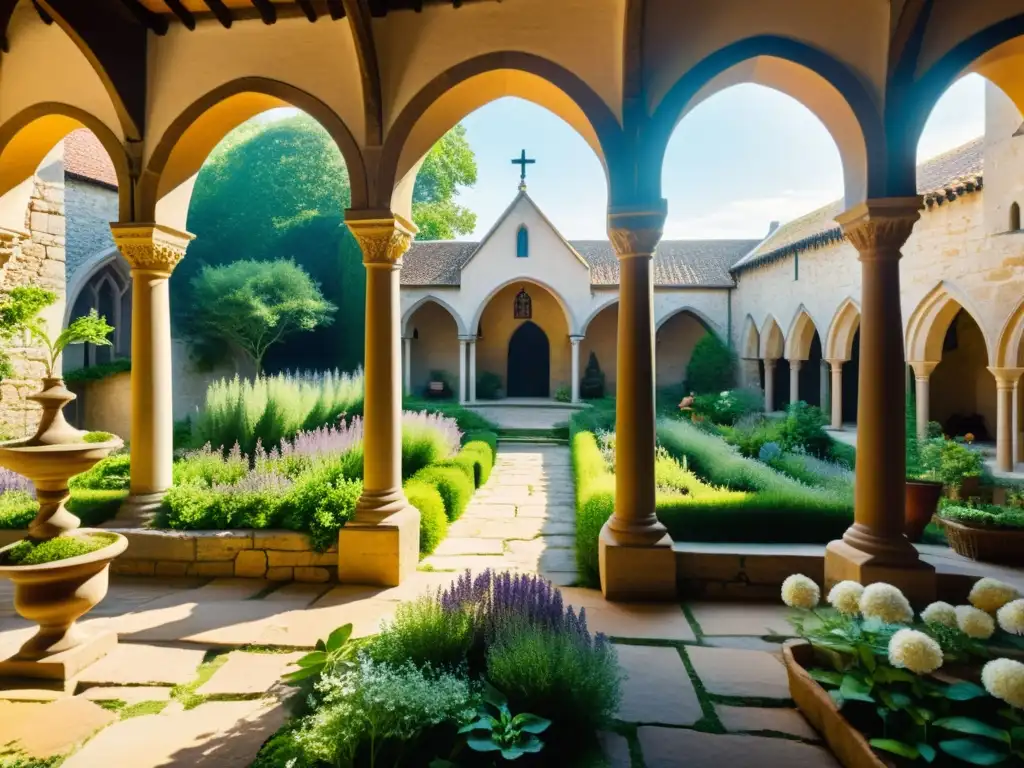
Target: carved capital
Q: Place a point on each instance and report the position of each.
(383, 241)
(150, 247)
(636, 231)
(879, 228)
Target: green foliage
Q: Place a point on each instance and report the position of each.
(12, 756)
(729, 406)
(421, 447)
(454, 484)
(563, 395)
(426, 634)
(99, 372)
(17, 508)
(97, 437)
(481, 455)
(804, 429)
(496, 730)
(843, 453)
(449, 164)
(433, 520)
(320, 504)
(483, 436)
(92, 507)
(488, 385)
(89, 329)
(712, 366)
(599, 417)
(467, 419)
(595, 502)
(29, 552)
(813, 471)
(252, 305)
(948, 461)
(330, 655)
(984, 515)
(592, 384)
(18, 311)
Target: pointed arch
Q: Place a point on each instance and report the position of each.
(845, 323)
(1011, 336)
(800, 335)
(928, 323)
(408, 314)
(522, 242)
(773, 344)
(709, 325)
(750, 345)
(570, 321)
(612, 301)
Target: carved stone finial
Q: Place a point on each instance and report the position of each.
(382, 241)
(150, 247)
(636, 232)
(880, 227)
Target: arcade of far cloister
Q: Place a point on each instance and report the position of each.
(386, 82)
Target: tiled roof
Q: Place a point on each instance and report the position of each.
(85, 158)
(703, 263)
(942, 178)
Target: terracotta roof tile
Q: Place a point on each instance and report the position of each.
(86, 158)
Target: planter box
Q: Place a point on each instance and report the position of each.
(989, 545)
(846, 742)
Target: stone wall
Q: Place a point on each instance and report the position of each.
(90, 207)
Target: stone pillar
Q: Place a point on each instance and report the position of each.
(823, 389)
(794, 381)
(575, 342)
(1016, 424)
(152, 251)
(1006, 383)
(407, 365)
(472, 370)
(635, 551)
(836, 395)
(874, 547)
(380, 545)
(462, 371)
(922, 386)
(769, 384)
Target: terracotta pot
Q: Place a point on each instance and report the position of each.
(922, 500)
(846, 742)
(55, 595)
(989, 545)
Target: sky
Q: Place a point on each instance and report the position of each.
(741, 159)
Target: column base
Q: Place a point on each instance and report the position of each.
(636, 571)
(382, 553)
(915, 578)
(60, 666)
(138, 510)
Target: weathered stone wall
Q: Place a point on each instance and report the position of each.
(90, 208)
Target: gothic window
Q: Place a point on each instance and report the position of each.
(1014, 217)
(523, 306)
(522, 242)
(108, 291)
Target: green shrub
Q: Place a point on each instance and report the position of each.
(109, 474)
(984, 515)
(804, 429)
(467, 419)
(488, 385)
(433, 520)
(843, 453)
(592, 384)
(210, 467)
(949, 461)
(563, 395)
(599, 417)
(729, 406)
(98, 372)
(595, 502)
(479, 455)
(28, 552)
(556, 675)
(751, 433)
(97, 437)
(454, 485)
(17, 508)
(670, 475)
(424, 633)
(813, 471)
(95, 506)
(484, 436)
(320, 503)
(712, 366)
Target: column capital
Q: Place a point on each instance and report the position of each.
(922, 368)
(769, 362)
(796, 362)
(150, 247)
(1006, 377)
(835, 362)
(466, 339)
(881, 225)
(575, 339)
(635, 231)
(382, 239)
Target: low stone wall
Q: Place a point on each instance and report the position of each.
(257, 554)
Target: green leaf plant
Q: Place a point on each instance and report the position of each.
(497, 730)
(89, 329)
(334, 652)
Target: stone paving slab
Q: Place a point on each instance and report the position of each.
(129, 694)
(672, 747)
(730, 672)
(454, 545)
(140, 664)
(44, 730)
(657, 688)
(250, 673)
(778, 719)
(615, 749)
(641, 621)
(753, 620)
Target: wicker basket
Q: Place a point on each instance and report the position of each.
(989, 545)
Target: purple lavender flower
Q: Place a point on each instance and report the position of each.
(12, 481)
(325, 441)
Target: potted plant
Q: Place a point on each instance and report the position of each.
(954, 463)
(923, 491)
(59, 571)
(985, 532)
(488, 386)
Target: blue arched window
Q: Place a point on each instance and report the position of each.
(522, 242)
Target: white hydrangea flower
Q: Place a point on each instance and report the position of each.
(798, 591)
(974, 622)
(1004, 679)
(913, 650)
(991, 594)
(1011, 617)
(940, 613)
(845, 597)
(886, 603)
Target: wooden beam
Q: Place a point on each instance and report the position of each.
(308, 9)
(46, 18)
(151, 21)
(358, 12)
(184, 14)
(267, 11)
(221, 11)
(336, 9)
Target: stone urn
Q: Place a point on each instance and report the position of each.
(55, 595)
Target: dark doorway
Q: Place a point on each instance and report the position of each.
(810, 374)
(529, 362)
(851, 374)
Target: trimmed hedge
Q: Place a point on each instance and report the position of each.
(595, 502)
(477, 455)
(433, 520)
(453, 483)
(491, 438)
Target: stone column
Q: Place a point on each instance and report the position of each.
(824, 393)
(922, 386)
(1006, 383)
(794, 381)
(152, 251)
(874, 547)
(462, 371)
(472, 370)
(380, 545)
(1016, 424)
(769, 384)
(635, 551)
(575, 342)
(407, 365)
(836, 395)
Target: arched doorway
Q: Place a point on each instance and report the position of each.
(529, 362)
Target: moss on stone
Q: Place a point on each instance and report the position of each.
(28, 552)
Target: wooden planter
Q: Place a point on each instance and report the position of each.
(989, 545)
(922, 500)
(846, 742)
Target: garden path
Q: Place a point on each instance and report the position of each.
(526, 413)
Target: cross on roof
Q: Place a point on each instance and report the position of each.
(522, 161)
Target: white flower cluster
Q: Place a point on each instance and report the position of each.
(974, 622)
(913, 650)
(989, 595)
(798, 591)
(845, 597)
(1004, 679)
(1011, 617)
(940, 613)
(886, 603)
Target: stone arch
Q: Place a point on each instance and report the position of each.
(839, 340)
(750, 341)
(85, 272)
(471, 84)
(709, 325)
(570, 321)
(29, 136)
(828, 88)
(597, 311)
(408, 314)
(929, 322)
(800, 335)
(166, 186)
(773, 344)
(1011, 336)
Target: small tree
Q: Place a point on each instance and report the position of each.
(592, 385)
(254, 305)
(712, 366)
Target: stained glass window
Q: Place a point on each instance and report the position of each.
(523, 306)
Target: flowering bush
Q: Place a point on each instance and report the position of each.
(728, 406)
(949, 461)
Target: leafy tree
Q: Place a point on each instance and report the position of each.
(18, 310)
(448, 165)
(712, 366)
(253, 305)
